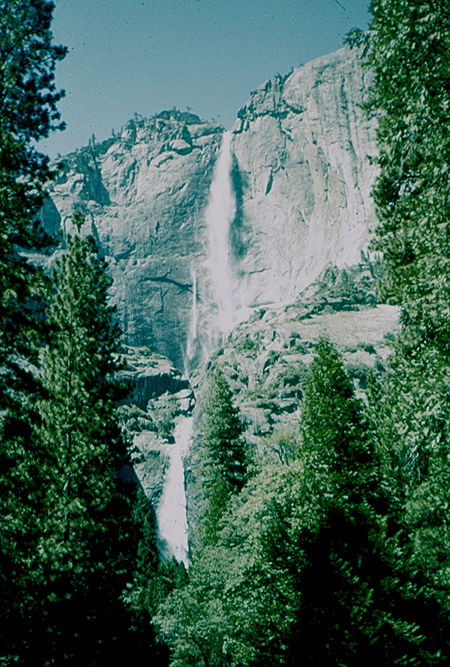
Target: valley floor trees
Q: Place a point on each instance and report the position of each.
(301, 566)
(28, 111)
(88, 535)
(408, 52)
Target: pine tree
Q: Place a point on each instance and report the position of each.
(87, 543)
(336, 531)
(334, 430)
(28, 112)
(409, 43)
(408, 46)
(28, 100)
(224, 454)
(319, 576)
(222, 434)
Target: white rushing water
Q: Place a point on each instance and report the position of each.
(219, 215)
(171, 513)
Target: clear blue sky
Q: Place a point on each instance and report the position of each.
(128, 56)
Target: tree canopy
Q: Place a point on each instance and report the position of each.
(28, 111)
(87, 542)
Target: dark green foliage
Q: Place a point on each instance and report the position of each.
(224, 454)
(409, 44)
(88, 536)
(333, 425)
(152, 582)
(192, 619)
(315, 567)
(304, 560)
(408, 51)
(28, 112)
(222, 432)
(411, 415)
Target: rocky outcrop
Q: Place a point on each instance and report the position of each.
(301, 148)
(143, 192)
(159, 395)
(150, 375)
(301, 182)
(266, 360)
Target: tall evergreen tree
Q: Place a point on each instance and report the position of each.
(224, 454)
(28, 112)
(87, 543)
(409, 45)
(408, 52)
(303, 566)
(28, 100)
(370, 605)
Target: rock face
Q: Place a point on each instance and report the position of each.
(300, 184)
(144, 192)
(301, 146)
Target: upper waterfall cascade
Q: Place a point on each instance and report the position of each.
(219, 214)
(216, 293)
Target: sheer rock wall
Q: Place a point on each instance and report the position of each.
(301, 182)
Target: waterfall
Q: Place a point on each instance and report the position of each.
(171, 513)
(201, 342)
(219, 215)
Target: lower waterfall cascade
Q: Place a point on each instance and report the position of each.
(171, 512)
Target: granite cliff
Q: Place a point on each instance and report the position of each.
(301, 148)
(299, 183)
(240, 247)
(143, 192)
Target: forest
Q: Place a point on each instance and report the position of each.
(336, 552)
